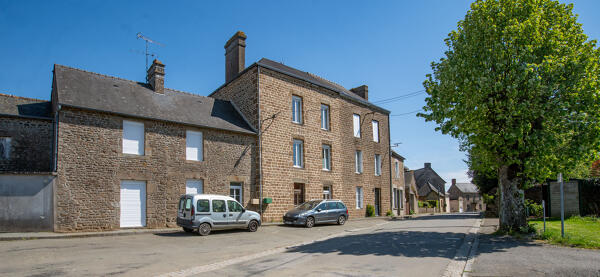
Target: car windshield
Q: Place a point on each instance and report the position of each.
(308, 205)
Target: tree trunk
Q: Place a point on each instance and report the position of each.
(512, 206)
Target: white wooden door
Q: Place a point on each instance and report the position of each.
(133, 203)
(194, 187)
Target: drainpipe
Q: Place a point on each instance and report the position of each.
(260, 175)
(390, 164)
(55, 142)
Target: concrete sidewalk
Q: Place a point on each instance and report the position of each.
(125, 232)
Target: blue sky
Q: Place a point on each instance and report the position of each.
(387, 45)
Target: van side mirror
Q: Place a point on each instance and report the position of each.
(243, 210)
(318, 210)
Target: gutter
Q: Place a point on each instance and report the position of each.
(390, 168)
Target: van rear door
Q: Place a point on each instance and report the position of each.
(185, 207)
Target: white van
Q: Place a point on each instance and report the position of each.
(205, 212)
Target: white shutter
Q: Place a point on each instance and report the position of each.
(133, 137)
(194, 187)
(133, 204)
(193, 146)
(356, 121)
(375, 131)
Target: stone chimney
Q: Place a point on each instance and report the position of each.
(427, 165)
(453, 181)
(235, 55)
(156, 76)
(362, 91)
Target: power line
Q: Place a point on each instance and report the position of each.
(400, 97)
(403, 114)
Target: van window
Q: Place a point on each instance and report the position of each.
(202, 206)
(181, 202)
(332, 206)
(341, 206)
(322, 206)
(218, 206)
(188, 204)
(234, 206)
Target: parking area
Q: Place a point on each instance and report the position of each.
(151, 254)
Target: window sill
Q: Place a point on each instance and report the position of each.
(297, 123)
(326, 170)
(358, 173)
(194, 161)
(326, 130)
(298, 167)
(128, 155)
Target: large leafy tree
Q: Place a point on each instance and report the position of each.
(518, 86)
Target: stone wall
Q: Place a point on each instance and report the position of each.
(30, 144)
(398, 182)
(279, 175)
(91, 166)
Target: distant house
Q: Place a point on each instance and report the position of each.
(465, 197)
(398, 195)
(430, 186)
(410, 185)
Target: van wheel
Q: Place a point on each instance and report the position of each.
(188, 230)
(341, 220)
(204, 229)
(253, 226)
(310, 222)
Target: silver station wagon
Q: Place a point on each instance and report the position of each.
(206, 212)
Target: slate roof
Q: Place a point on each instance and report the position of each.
(24, 107)
(316, 80)
(397, 156)
(467, 187)
(427, 176)
(87, 90)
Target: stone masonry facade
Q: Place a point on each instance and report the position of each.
(28, 143)
(273, 97)
(91, 166)
(398, 184)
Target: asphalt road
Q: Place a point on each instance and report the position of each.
(422, 246)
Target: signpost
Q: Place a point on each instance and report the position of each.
(544, 214)
(562, 205)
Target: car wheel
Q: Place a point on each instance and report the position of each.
(204, 229)
(188, 230)
(310, 222)
(253, 226)
(341, 220)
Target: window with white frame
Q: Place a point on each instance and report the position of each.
(325, 117)
(194, 150)
(377, 165)
(326, 192)
(133, 137)
(359, 197)
(326, 157)
(5, 148)
(395, 197)
(356, 124)
(375, 130)
(358, 161)
(298, 154)
(397, 169)
(296, 109)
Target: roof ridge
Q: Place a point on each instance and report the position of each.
(126, 80)
(21, 97)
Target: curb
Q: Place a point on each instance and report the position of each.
(463, 259)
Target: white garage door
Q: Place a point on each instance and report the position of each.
(194, 186)
(133, 203)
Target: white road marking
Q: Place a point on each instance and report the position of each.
(219, 265)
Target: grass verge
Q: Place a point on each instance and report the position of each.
(581, 232)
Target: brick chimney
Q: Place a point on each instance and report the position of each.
(453, 181)
(362, 91)
(235, 55)
(427, 165)
(156, 76)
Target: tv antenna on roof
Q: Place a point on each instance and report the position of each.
(148, 40)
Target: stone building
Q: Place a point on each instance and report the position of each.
(411, 194)
(431, 186)
(399, 199)
(465, 197)
(316, 138)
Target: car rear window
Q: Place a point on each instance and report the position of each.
(181, 202)
(341, 205)
(332, 206)
(188, 204)
(202, 206)
(218, 206)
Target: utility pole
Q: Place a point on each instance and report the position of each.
(562, 205)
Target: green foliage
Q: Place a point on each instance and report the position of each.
(433, 203)
(517, 87)
(534, 209)
(389, 213)
(411, 212)
(370, 210)
(488, 199)
(579, 231)
(423, 204)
